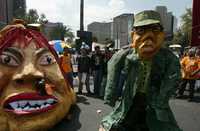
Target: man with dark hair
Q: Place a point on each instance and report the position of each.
(152, 74)
(97, 67)
(84, 70)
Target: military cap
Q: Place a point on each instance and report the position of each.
(147, 17)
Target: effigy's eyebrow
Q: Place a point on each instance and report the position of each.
(41, 51)
(16, 51)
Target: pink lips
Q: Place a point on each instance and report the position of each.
(29, 103)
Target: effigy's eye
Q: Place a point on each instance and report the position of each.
(139, 31)
(47, 59)
(9, 60)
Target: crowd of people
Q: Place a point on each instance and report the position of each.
(89, 63)
(94, 64)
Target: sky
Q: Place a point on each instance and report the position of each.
(67, 11)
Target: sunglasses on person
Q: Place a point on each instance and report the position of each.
(155, 28)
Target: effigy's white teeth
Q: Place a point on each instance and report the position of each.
(22, 103)
(40, 102)
(33, 102)
(48, 104)
(26, 108)
(42, 106)
(14, 105)
(50, 101)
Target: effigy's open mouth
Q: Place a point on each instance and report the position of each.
(29, 103)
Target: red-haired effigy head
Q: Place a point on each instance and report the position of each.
(34, 94)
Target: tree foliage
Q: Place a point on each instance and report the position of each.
(42, 19)
(183, 35)
(59, 32)
(69, 34)
(186, 20)
(32, 16)
(186, 27)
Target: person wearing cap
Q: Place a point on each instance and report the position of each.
(152, 74)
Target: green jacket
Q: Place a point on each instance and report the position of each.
(164, 77)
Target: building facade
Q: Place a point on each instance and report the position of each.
(100, 30)
(6, 11)
(10, 9)
(19, 8)
(3, 18)
(122, 26)
(169, 21)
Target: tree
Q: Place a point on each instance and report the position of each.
(183, 35)
(69, 33)
(61, 31)
(42, 19)
(58, 32)
(32, 16)
(186, 20)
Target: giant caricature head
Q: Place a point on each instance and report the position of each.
(147, 35)
(34, 95)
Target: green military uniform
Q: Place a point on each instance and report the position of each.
(161, 84)
(155, 78)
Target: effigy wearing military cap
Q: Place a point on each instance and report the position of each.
(147, 17)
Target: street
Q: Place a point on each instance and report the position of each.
(86, 118)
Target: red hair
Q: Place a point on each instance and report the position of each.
(24, 36)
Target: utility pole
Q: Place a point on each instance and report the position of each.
(82, 16)
(84, 36)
